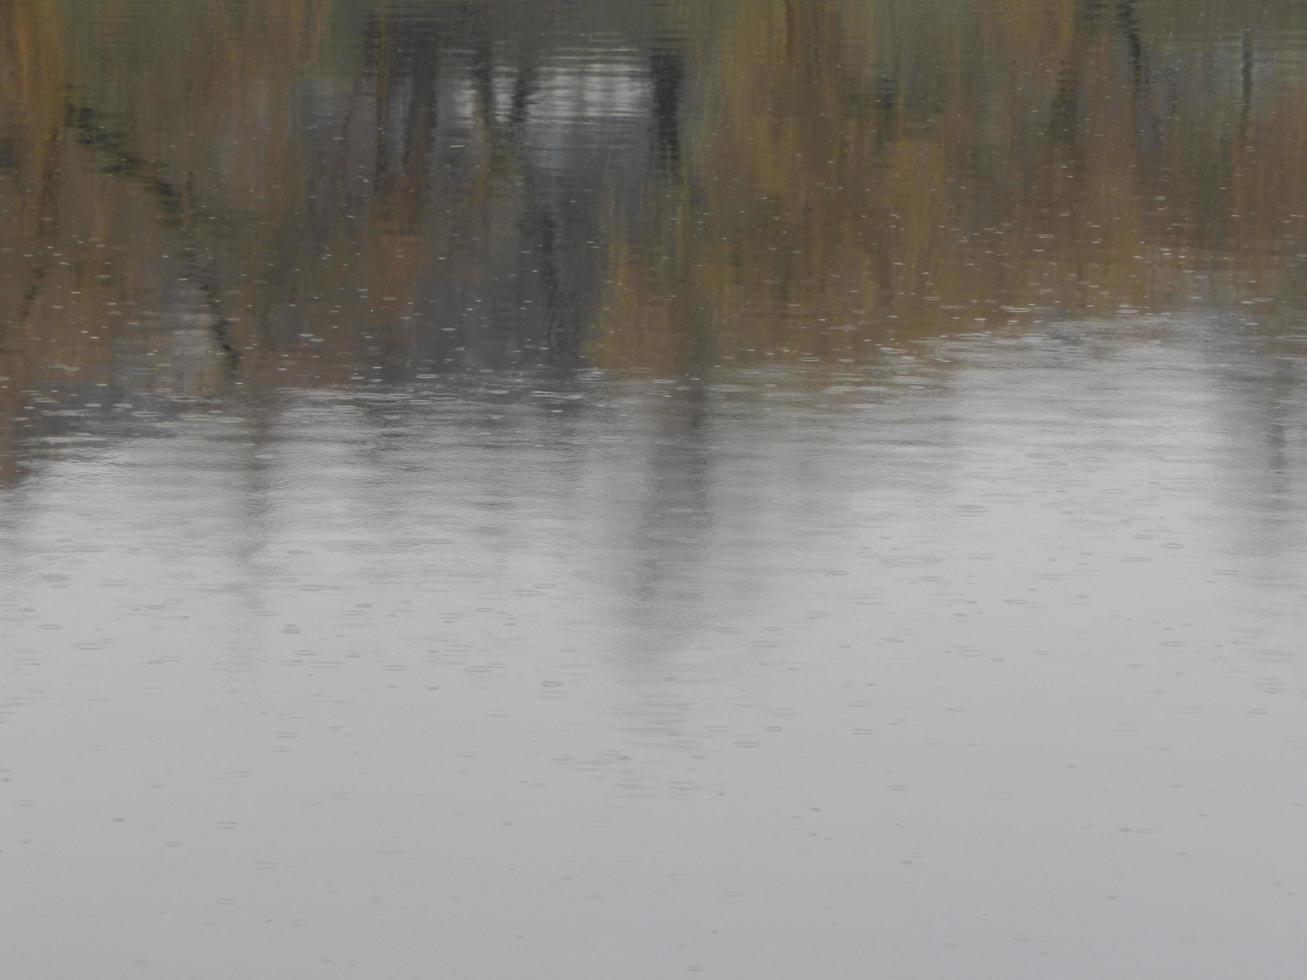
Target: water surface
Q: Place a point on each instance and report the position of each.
(583, 489)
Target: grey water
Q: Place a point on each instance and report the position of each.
(644, 489)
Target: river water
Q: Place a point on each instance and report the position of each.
(643, 489)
